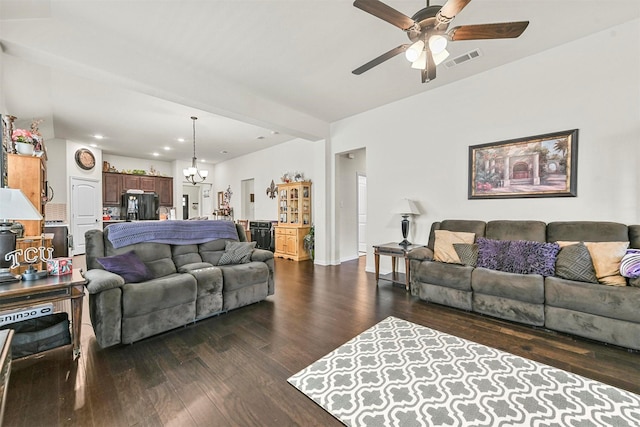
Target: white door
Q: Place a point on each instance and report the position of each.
(362, 214)
(85, 210)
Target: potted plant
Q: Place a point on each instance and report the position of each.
(309, 242)
(26, 141)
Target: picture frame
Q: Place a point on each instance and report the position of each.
(534, 166)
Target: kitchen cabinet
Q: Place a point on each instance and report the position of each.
(29, 174)
(164, 188)
(111, 189)
(114, 184)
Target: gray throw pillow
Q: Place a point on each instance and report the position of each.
(237, 252)
(467, 252)
(574, 263)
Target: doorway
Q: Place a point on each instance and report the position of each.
(247, 204)
(86, 207)
(185, 206)
(362, 214)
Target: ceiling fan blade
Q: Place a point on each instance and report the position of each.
(429, 72)
(449, 11)
(380, 59)
(386, 13)
(504, 30)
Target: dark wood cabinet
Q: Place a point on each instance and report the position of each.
(111, 189)
(148, 183)
(130, 182)
(114, 184)
(164, 188)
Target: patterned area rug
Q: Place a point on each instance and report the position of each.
(401, 374)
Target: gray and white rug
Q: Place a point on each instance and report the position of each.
(398, 373)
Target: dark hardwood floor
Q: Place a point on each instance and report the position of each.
(231, 370)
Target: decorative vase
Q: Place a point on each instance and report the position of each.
(24, 148)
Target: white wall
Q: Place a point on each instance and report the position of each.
(264, 166)
(418, 147)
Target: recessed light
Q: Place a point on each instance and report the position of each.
(260, 137)
(156, 154)
(180, 139)
(93, 145)
(167, 148)
(275, 132)
(224, 152)
(98, 136)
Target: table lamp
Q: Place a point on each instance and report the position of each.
(14, 205)
(405, 208)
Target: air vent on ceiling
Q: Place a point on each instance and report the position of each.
(463, 58)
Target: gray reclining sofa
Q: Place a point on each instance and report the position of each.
(187, 285)
(593, 310)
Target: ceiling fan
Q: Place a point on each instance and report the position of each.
(427, 30)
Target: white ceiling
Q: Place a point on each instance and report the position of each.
(135, 71)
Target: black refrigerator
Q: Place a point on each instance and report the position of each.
(140, 206)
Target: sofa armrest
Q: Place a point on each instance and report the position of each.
(101, 280)
(422, 254)
(261, 255)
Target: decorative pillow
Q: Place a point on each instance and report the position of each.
(630, 264)
(237, 252)
(491, 253)
(443, 247)
(606, 257)
(467, 252)
(518, 256)
(574, 263)
(128, 266)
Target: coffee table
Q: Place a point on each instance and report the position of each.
(22, 294)
(395, 251)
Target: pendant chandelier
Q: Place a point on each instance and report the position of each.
(192, 174)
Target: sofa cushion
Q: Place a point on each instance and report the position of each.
(237, 253)
(587, 231)
(442, 274)
(520, 287)
(520, 256)
(467, 252)
(574, 263)
(158, 294)
(237, 276)
(128, 266)
(185, 254)
(615, 302)
(630, 264)
(443, 246)
(535, 231)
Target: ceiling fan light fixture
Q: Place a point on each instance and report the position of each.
(421, 62)
(441, 56)
(414, 51)
(437, 44)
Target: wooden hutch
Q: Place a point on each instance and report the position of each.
(294, 220)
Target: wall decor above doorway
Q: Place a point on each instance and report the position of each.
(534, 166)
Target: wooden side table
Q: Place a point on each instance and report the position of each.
(25, 293)
(395, 251)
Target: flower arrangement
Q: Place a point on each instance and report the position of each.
(31, 136)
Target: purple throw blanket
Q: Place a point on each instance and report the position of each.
(170, 232)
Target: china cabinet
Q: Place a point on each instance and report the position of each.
(294, 220)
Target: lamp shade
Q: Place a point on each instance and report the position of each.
(15, 205)
(406, 207)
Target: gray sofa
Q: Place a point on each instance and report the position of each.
(187, 285)
(606, 313)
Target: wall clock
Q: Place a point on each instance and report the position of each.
(85, 159)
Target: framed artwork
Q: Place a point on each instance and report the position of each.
(535, 166)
